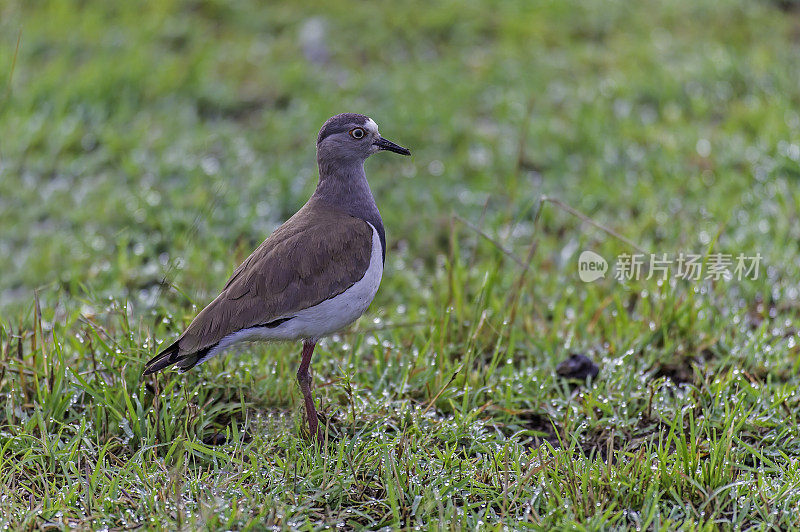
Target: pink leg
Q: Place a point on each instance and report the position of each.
(304, 378)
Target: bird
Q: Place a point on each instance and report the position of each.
(313, 276)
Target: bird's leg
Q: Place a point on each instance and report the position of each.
(304, 378)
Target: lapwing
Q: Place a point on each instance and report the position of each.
(316, 274)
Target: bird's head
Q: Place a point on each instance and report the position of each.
(351, 137)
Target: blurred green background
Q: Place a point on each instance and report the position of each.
(147, 148)
(136, 139)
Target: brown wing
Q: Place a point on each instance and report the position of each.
(318, 253)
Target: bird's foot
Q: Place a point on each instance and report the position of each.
(318, 433)
(318, 436)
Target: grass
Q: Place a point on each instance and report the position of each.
(146, 150)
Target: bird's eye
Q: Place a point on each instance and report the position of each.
(357, 133)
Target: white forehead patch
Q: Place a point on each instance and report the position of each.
(371, 125)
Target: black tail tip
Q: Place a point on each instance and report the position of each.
(165, 358)
(149, 370)
(154, 366)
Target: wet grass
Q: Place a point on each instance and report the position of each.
(145, 151)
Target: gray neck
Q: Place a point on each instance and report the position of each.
(345, 186)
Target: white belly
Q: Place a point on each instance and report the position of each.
(324, 318)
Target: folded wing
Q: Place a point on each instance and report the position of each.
(305, 261)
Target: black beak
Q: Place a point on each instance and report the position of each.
(384, 144)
